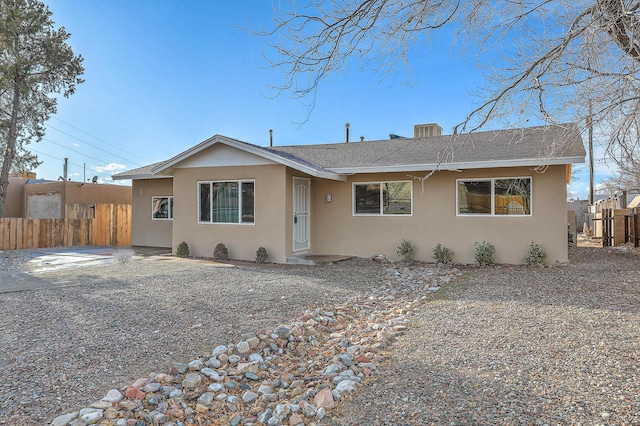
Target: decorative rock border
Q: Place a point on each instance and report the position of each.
(292, 375)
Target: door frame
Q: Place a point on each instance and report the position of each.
(306, 215)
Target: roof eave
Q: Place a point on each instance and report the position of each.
(138, 177)
(252, 149)
(529, 162)
(328, 175)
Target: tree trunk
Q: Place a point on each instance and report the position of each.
(619, 24)
(11, 146)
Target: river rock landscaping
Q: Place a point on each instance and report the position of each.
(356, 343)
(290, 375)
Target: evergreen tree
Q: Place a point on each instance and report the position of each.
(35, 63)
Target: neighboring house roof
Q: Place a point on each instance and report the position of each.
(634, 203)
(534, 146)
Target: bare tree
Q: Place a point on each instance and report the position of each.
(621, 182)
(35, 62)
(547, 61)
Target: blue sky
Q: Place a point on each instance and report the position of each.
(162, 76)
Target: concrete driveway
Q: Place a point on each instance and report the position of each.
(46, 268)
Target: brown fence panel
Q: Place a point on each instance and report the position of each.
(110, 227)
(123, 221)
(607, 227)
(42, 233)
(633, 226)
(100, 226)
(80, 211)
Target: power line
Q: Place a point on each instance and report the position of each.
(82, 166)
(73, 150)
(55, 158)
(97, 138)
(92, 145)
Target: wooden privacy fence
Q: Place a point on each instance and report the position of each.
(111, 226)
(632, 227)
(620, 226)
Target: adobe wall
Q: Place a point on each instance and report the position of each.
(47, 200)
(14, 204)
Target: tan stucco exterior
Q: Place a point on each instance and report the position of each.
(242, 240)
(334, 228)
(144, 230)
(14, 203)
(47, 200)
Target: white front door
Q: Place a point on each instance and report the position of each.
(301, 209)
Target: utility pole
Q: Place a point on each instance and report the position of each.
(590, 126)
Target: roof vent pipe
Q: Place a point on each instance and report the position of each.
(65, 168)
(270, 137)
(347, 128)
(361, 138)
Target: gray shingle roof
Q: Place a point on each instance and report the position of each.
(140, 172)
(534, 146)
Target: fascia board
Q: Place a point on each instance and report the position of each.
(252, 149)
(332, 176)
(459, 166)
(139, 177)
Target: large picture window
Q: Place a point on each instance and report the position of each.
(383, 198)
(496, 197)
(226, 202)
(161, 208)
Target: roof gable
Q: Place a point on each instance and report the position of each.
(220, 154)
(187, 156)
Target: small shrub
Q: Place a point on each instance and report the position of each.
(535, 254)
(183, 249)
(261, 255)
(442, 254)
(485, 253)
(405, 250)
(221, 252)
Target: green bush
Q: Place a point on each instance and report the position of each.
(405, 251)
(261, 255)
(442, 254)
(535, 254)
(183, 249)
(485, 253)
(221, 252)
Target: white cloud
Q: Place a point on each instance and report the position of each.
(76, 145)
(111, 167)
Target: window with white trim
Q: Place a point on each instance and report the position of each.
(383, 198)
(162, 208)
(226, 201)
(494, 197)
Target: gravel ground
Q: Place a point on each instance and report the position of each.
(63, 348)
(518, 346)
(507, 345)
